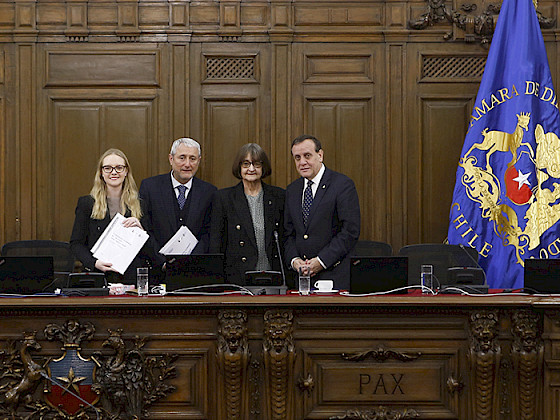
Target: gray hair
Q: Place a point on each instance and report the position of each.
(187, 142)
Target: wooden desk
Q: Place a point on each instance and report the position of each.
(292, 357)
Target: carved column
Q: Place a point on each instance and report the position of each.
(484, 360)
(527, 355)
(233, 360)
(279, 357)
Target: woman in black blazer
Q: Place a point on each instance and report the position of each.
(114, 191)
(245, 217)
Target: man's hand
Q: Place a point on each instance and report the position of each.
(314, 266)
(104, 266)
(298, 263)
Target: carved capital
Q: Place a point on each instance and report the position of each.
(232, 332)
(483, 331)
(526, 331)
(278, 329)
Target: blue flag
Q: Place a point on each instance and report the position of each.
(506, 201)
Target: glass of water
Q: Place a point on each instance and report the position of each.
(304, 281)
(427, 278)
(142, 281)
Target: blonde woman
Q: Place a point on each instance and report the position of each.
(114, 191)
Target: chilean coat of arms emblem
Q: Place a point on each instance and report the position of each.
(117, 382)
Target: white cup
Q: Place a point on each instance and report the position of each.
(324, 285)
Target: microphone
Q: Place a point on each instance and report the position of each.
(475, 261)
(280, 257)
(469, 276)
(262, 282)
(44, 375)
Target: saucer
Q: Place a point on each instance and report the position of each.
(325, 292)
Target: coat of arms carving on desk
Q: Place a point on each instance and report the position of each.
(122, 384)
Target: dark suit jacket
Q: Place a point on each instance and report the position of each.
(232, 232)
(86, 232)
(333, 226)
(162, 209)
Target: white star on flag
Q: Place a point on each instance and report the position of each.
(522, 179)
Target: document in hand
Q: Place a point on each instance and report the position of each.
(182, 243)
(118, 244)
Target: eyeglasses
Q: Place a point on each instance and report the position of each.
(108, 168)
(247, 164)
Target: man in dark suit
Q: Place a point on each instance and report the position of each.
(178, 199)
(321, 218)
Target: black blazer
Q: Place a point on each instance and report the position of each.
(86, 232)
(232, 232)
(162, 221)
(333, 226)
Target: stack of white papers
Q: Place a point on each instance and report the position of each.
(182, 243)
(119, 245)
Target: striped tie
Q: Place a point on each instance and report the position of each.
(307, 200)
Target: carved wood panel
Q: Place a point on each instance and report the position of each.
(230, 105)
(92, 100)
(443, 88)
(340, 101)
(397, 365)
(278, 357)
(82, 132)
(439, 135)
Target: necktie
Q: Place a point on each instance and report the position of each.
(307, 200)
(182, 199)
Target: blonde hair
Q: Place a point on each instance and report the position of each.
(129, 196)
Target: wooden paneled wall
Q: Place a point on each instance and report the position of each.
(390, 103)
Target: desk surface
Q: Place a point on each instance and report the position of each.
(283, 301)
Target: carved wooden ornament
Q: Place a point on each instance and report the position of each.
(123, 384)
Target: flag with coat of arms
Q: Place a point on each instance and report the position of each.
(506, 201)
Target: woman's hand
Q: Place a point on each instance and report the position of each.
(132, 222)
(104, 266)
